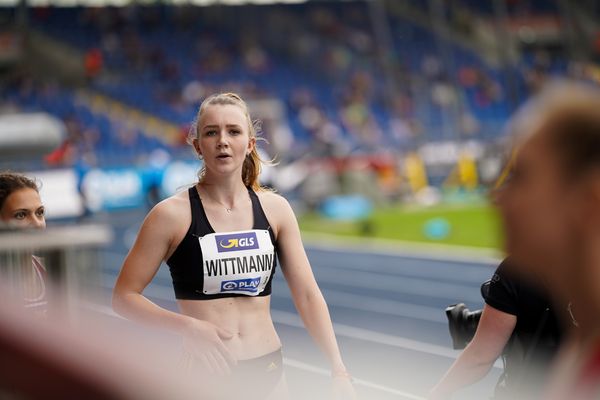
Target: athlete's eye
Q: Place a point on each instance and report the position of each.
(235, 132)
(40, 212)
(20, 215)
(210, 133)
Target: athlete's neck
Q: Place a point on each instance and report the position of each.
(225, 190)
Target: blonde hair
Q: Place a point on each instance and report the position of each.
(253, 163)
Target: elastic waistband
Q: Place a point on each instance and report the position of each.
(264, 360)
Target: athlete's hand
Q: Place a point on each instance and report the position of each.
(204, 341)
(343, 389)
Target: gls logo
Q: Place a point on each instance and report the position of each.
(236, 241)
(243, 285)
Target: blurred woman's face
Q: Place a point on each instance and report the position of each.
(23, 208)
(536, 208)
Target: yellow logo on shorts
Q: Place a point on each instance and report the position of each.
(272, 367)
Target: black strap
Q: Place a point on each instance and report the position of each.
(260, 218)
(200, 225)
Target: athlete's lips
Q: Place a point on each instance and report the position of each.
(223, 156)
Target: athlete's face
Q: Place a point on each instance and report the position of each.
(23, 208)
(537, 207)
(223, 139)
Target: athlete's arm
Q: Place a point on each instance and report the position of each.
(141, 264)
(493, 332)
(305, 292)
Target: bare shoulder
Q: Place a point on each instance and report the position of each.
(274, 203)
(163, 227)
(278, 209)
(172, 211)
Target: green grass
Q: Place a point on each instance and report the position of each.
(470, 225)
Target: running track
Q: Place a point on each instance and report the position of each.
(387, 306)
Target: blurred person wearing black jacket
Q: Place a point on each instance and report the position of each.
(518, 323)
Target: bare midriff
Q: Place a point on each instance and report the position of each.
(248, 319)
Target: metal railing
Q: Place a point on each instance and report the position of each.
(52, 269)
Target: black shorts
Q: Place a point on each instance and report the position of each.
(252, 379)
(257, 377)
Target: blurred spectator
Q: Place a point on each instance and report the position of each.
(93, 63)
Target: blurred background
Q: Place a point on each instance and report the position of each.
(385, 119)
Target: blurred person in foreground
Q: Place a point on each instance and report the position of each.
(550, 211)
(21, 207)
(221, 239)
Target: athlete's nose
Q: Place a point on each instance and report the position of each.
(222, 142)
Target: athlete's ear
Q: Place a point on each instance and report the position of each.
(251, 145)
(197, 147)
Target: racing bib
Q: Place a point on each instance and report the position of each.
(237, 262)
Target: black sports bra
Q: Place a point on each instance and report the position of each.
(208, 265)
